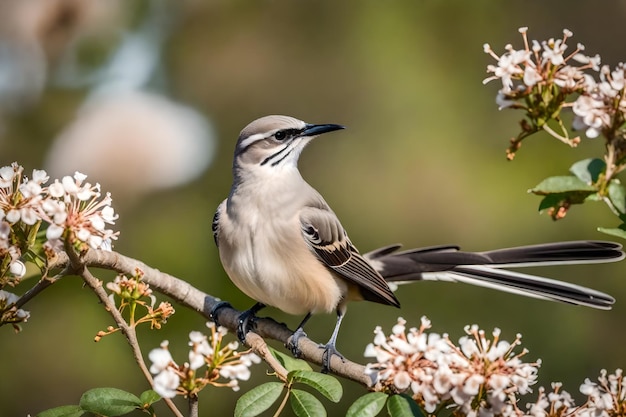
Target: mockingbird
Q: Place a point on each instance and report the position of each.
(282, 245)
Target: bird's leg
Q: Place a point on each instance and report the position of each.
(292, 343)
(247, 320)
(329, 348)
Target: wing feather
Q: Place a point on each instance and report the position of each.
(330, 243)
(215, 225)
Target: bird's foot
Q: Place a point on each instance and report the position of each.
(246, 322)
(292, 343)
(216, 309)
(329, 351)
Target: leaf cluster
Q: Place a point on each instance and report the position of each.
(106, 402)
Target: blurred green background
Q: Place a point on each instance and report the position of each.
(422, 162)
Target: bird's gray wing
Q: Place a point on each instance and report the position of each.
(328, 240)
(215, 226)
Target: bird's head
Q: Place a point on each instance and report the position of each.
(273, 142)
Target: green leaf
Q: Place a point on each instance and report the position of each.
(557, 200)
(368, 405)
(617, 195)
(619, 232)
(327, 385)
(109, 401)
(561, 184)
(149, 397)
(63, 411)
(258, 399)
(305, 404)
(588, 170)
(402, 405)
(552, 200)
(290, 363)
(595, 197)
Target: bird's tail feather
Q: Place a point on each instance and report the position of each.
(485, 269)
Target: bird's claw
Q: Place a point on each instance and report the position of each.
(215, 310)
(294, 340)
(246, 322)
(329, 351)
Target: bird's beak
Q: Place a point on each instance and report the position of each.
(314, 130)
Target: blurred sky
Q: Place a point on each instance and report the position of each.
(148, 98)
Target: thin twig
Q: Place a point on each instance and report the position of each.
(43, 283)
(571, 142)
(259, 346)
(193, 406)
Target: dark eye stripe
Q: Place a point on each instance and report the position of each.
(285, 149)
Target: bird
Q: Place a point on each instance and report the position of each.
(283, 246)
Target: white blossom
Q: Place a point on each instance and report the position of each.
(166, 383)
(7, 304)
(480, 376)
(161, 358)
(17, 268)
(211, 360)
(591, 115)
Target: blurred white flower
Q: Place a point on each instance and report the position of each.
(219, 360)
(9, 312)
(134, 142)
(607, 397)
(167, 376)
(166, 383)
(17, 269)
(591, 116)
(27, 207)
(161, 358)
(200, 348)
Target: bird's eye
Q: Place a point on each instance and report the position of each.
(280, 135)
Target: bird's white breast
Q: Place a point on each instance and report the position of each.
(265, 255)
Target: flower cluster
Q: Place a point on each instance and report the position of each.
(20, 211)
(71, 210)
(75, 211)
(222, 362)
(541, 64)
(9, 312)
(605, 398)
(133, 293)
(478, 375)
(556, 403)
(130, 289)
(602, 104)
(543, 78)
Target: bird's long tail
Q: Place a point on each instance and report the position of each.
(448, 263)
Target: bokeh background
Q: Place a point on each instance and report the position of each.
(148, 97)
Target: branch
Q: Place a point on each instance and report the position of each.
(187, 295)
(78, 265)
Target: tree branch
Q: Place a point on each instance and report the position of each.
(188, 295)
(79, 266)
